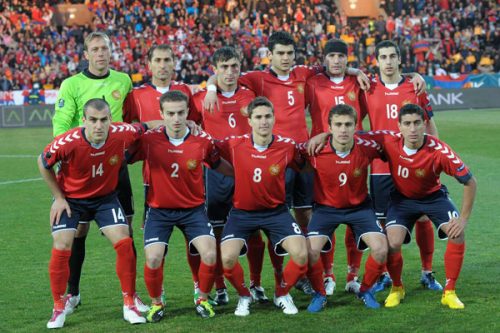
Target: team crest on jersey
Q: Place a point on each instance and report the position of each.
(351, 95)
(420, 173)
(116, 94)
(406, 101)
(114, 160)
(300, 88)
(357, 172)
(191, 164)
(274, 169)
(61, 102)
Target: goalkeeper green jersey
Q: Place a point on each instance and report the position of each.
(78, 89)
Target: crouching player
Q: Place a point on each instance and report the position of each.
(90, 159)
(260, 160)
(341, 197)
(416, 161)
(176, 198)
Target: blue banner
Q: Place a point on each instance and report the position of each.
(463, 81)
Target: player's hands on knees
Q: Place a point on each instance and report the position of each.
(316, 144)
(211, 102)
(456, 227)
(58, 207)
(418, 83)
(363, 80)
(193, 127)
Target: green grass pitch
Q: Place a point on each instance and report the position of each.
(25, 242)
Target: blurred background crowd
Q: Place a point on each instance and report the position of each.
(436, 37)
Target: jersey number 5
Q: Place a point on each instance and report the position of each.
(291, 99)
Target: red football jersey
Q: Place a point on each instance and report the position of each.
(230, 119)
(341, 182)
(88, 172)
(382, 106)
(416, 176)
(259, 176)
(143, 103)
(322, 94)
(288, 98)
(175, 172)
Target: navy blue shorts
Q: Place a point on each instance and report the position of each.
(219, 191)
(299, 189)
(160, 223)
(124, 190)
(404, 211)
(278, 224)
(381, 187)
(106, 211)
(361, 219)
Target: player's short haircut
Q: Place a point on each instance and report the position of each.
(173, 96)
(98, 104)
(161, 47)
(385, 44)
(282, 38)
(259, 101)
(411, 109)
(342, 110)
(224, 54)
(94, 35)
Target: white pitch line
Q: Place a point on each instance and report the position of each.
(18, 156)
(8, 182)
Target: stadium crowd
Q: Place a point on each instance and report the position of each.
(436, 37)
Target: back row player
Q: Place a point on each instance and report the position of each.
(97, 81)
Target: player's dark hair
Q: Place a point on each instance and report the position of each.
(411, 109)
(224, 54)
(98, 104)
(94, 35)
(385, 44)
(173, 96)
(259, 101)
(342, 110)
(161, 47)
(280, 37)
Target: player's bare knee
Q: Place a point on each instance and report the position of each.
(313, 256)
(299, 256)
(209, 256)
(154, 260)
(379, 252)
(228, 260)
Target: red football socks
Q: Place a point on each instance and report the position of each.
(315, 275)
(153, 277)
(59, 273)
(255, 257)
(354, 256)
(453, 259)
(395, 268)
(277, 262)
(194, 264)
(373, 270)
(424, 231)
(291, 274)
(125, 265)
(207, 277)
(236, 277)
